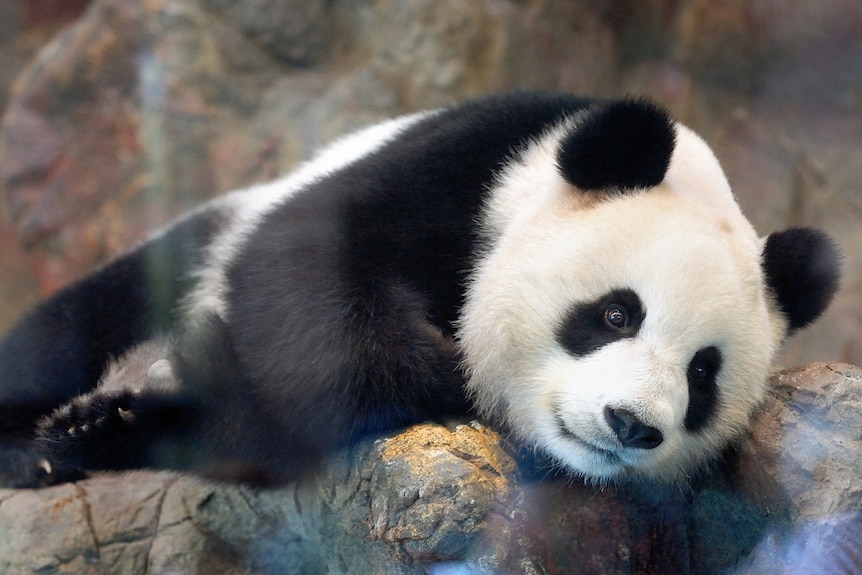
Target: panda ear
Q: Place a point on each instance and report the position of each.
(803, 269)
(621, 145)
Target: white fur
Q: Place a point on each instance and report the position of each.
(246, 208)
(145, 367)
(693, 260)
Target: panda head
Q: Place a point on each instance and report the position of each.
(624, 315)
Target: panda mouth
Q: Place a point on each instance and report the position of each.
(568, 434)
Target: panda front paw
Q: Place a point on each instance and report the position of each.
(88, 415)
(91, 432)
(109, 430)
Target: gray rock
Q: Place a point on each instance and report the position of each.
(789, 500)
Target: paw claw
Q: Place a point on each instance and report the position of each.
(45, 466)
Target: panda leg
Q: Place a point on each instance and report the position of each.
(181, 403)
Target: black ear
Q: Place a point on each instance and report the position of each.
(625, 144)
(803, 268)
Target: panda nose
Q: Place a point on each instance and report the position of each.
(631, 431)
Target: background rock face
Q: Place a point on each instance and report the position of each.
(139, 110)
(789, 500)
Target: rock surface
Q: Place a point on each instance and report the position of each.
(437, 499)
(141, 110)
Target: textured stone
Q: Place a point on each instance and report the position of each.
(140, 110)
(295, 31)
(788, 500)
(109, 132)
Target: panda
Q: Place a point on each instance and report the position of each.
(574, 271)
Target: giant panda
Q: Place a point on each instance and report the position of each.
(574, 271)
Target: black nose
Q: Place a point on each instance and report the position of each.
(631, 431)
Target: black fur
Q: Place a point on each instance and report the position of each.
(621, 145)
(215, 424)
(803, 269)
(371, 267)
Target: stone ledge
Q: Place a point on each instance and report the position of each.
(436, 496)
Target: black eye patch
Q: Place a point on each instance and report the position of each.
(589, 326)
(702, 389)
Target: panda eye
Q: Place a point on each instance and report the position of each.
(702, 387)
(704, 365)
(699, 372)
(616, 316)
(590, 325)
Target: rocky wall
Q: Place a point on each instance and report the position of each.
(140, 110)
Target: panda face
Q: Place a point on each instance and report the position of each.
(627, 336)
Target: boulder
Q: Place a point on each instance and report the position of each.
(453, 499)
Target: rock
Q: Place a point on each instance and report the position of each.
(788, 500)
(295, 31)
(141, 110)
(417, 498)
(91, 130)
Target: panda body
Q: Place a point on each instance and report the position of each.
(575, 271)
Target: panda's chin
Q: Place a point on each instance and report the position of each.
(580, 455)
(594, 450)
(594, 465)
(598, 464)
(568, 435)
